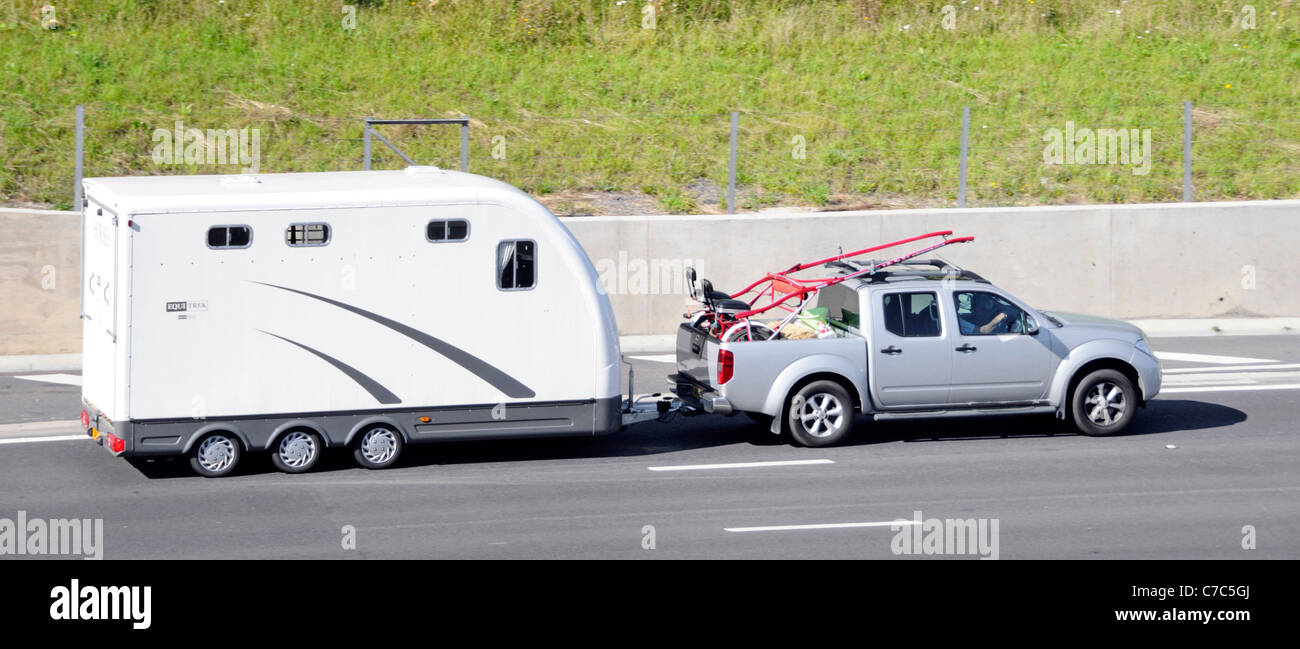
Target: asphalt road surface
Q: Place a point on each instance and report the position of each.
(1216, 452)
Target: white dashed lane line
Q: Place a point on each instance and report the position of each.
(739, 465)
(657, 358)
(821, 526)
(1210, 358)
(46, 438)
(60, 379)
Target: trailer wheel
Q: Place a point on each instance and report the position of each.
(820, 414)
(297, 451)
(215, 455)
(1103, 403)
(378, 447)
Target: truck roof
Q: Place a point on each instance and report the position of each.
(208, 193)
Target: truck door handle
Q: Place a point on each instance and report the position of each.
(891, 350)
(966, 349)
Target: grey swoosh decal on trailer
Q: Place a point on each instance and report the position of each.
(379, 392)
(495, 377)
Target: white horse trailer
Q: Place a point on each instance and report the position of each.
(293, 312)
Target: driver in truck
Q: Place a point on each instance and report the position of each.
(986, 310)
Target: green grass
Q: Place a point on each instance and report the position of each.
(836, 107)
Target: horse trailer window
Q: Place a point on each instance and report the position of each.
(452, 230)
(516, 265)
(307, 234)
(230, 236)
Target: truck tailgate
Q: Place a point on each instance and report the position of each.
(694, 350)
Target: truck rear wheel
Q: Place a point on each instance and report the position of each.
(820, 414)
(215, 455)
(378, 447)
(1103, 403)
(297, 451)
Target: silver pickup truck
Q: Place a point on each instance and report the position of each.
(922, 340)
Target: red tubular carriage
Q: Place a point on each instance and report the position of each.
(776, 290)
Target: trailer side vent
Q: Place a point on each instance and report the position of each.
(516, 265)
(452, 230)
(307, 234)
(230, 236)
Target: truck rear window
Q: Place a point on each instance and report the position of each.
(912, 315)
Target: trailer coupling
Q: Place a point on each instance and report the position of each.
(657, 406)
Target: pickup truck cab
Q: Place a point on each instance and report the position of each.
(922, 340)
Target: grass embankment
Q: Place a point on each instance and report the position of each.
(841, 103)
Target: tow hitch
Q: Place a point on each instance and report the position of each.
(658, 406)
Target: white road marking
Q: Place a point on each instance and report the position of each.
(61, 379)
(61, 426)
(657, 358)
(738, 465)
(48, 438)
(1231, 388)
(1230, 378)
(1210, 358)
(1230, 368)
(822, 526)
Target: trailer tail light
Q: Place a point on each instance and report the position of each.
(726, 366)
(115, 444)
(85, 419)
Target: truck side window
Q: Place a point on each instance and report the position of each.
(984, 314)
(447, 230)
(230, 236)
(516, 265)
(912, 315)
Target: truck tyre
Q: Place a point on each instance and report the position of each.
(215, 455)
(297, 451)
(378, 447)
(1104, 403)
(819, 414)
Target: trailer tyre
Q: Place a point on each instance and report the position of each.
(297, 451)
(215, 455)
(820, 414)
(1103, 403)
(378, 447)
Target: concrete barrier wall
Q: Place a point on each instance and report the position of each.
(1129, 261)
(1173, 260)
(40, 263)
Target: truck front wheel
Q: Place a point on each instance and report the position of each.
(820, 414)
(1103, 403)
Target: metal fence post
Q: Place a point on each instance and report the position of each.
(365, 145)
(731, 166)
(965, 154)
(464, 144)
(1187, 152)
(78, 165)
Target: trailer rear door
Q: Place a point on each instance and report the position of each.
(99, 308)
